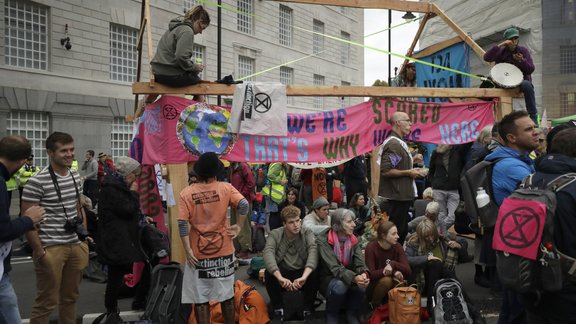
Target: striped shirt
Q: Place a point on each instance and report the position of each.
(40, 189)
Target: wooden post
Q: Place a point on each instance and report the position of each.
(374, 173)
(505, 107)
(415, 40)
(178, 178)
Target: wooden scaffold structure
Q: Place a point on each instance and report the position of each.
(177, 173)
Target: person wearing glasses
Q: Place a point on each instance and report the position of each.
(397, 185)
(173, 64)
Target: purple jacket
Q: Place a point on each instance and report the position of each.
(503, 55)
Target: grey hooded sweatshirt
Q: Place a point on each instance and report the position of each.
(175, 49)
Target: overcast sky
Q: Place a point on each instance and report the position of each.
(376, 63)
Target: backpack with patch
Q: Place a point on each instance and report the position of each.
(164, 300)
(479, 176)
(450, 305)
(526, 258)
(404, 305)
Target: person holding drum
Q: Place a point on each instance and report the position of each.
(510, 52)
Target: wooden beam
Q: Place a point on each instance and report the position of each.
(331, 91)
(415, 40)
(149, 38)
(463, 35)
(374, 173)
(178, 178)
(398, 5)
(437, 47)
(505, 107)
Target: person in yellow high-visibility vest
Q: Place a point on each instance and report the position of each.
(74, 166)
(26, 172)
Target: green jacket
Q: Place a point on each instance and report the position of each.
(330, 267)
(174, 52)
(293, 255)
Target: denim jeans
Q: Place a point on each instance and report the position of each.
(341, 296)
(530, 98)
(448, 201)
(9, 312)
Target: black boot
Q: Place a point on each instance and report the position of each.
(481, 278)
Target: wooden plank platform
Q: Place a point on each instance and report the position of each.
(331, 91)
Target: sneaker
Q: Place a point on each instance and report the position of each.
(279, 314)
(307, 315)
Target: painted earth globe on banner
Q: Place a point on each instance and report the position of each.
(202, 128)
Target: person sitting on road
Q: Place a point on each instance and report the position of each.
(318, 220)
(386, 262)
(291, 257)
(431, 256)
(343, 273)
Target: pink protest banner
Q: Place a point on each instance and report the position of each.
(519, 227)
(316, 137)
(150, 199)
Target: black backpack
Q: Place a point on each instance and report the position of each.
(154, 243)
(527, 259)
(479, 176)
(164, 301)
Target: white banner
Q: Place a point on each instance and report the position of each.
(259, 109)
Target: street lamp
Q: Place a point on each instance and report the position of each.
(389, 47)
(408, 15)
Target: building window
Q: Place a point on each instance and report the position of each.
(318, 101)
(198, 54)
(287, 78)
(568, 59)
(123, 54)
(189, 4)
(569, 11)
(567, 104)
(121, 137)
(34, 126)
(318, 40)
(285, 26)
(246, 67)
(25, 34)
(344, 48)
(345, 100)
(245, 16)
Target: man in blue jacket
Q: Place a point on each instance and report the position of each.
(14, 151)
(519, 134)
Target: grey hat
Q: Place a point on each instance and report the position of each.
(126, 165)
(319, 203)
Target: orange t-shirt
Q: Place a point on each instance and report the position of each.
(204, 206)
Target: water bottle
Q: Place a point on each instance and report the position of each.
(482, 198)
